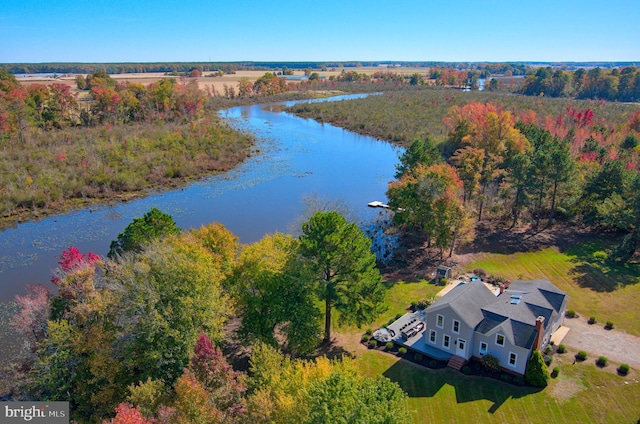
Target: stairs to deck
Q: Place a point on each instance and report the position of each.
(456, 362)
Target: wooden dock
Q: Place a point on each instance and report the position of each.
(378, 204)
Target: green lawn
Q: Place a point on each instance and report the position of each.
(581, 393)
(596, 288)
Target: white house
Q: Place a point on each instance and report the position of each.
(470, 321)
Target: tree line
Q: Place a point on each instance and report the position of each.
(489, 163)
(137, 333)
(614, 84)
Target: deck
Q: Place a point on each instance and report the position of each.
(417, 342)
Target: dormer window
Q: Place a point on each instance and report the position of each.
(500, 339)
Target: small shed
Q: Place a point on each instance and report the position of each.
(443, 272)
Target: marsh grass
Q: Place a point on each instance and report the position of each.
(59, 170)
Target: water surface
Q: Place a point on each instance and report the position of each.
(294, 158)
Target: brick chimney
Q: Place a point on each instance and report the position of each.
(504, 286)
(539, 331)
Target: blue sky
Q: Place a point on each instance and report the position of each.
(35, 31)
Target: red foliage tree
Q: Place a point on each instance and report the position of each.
(72, 259)
(225, 385)
(33, 312)
(127, 414)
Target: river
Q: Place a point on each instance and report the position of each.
(293, 159)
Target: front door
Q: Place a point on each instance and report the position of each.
(461, 348)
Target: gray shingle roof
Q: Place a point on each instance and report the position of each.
(467, 301)
(536, 298)
(515, 317)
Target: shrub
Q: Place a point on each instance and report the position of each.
(391, 320)
(433, 363)
(423, 303)
(548, 348)
(373, 343)
(402, 351)
(623, 369)
(600, 255)
(562, 348)
(555, 372)
(365, 338)
(547, 359)
(417, 357)
(490, 362)
(443, 282)
(602, 361)
(368, 332)
(570, 313)
(608, 325)
(581, 355)
(480, 272)
(592, 320)
(389, 345)
(518, 381)
(466, 370)
(398, 316)
(536, 374)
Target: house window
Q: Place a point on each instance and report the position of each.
(456, 326)
(483, 348)
(432, 336)
(440, 321)
(499, 339)
(445, 341)
(513, 358)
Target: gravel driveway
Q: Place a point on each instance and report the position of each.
(616, 345)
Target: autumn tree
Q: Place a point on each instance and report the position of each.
(30, 320)
(128, 414)
(273, 294)
(226, 388)
(340, 260)
(319, 391)
(468, 162)
(245, 87)
(270, 84)
(488, 128)
(75, 361)
(220, 242)
(429, 199)
(168, 294)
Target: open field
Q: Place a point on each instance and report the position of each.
(218, 82)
